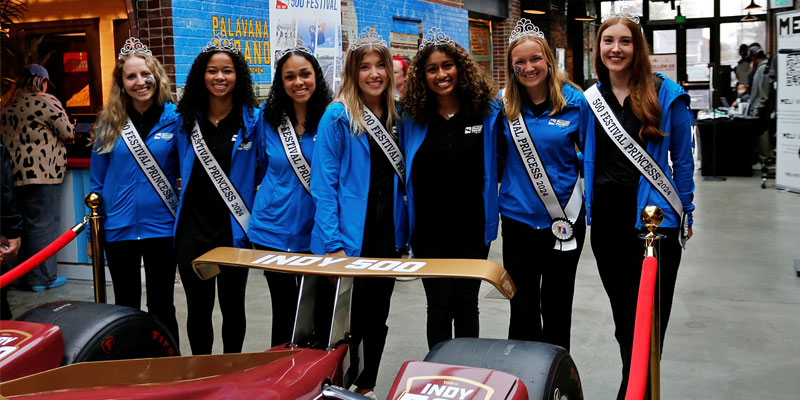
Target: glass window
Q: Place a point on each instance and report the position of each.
(697, 54)
(732, 35)
(699, 98)
(736, 7)
(636, 5)
(664, 42)
(689, 9)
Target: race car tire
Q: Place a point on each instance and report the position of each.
(101, 332)
(547, 371)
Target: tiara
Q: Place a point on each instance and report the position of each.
(299, 46)
(525, 28)
(368, 37)
(436, 37)
(133, 46)
(220, 42)
(621, 12)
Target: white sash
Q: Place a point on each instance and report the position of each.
(226, 190)
(563, 218)
(149, 166)
(636, 154)
(387, 144)
(291, 146)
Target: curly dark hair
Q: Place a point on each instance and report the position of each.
(195, 95)
(279, 103)
(475, 88)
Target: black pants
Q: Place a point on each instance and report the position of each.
(372, 299)
(452, 302)
(283, 290)
(124, 261)
(541, 310)
(619, 253)
(230, 284)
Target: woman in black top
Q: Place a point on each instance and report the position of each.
(449, 140)
(217, 101)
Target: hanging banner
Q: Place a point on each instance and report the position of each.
(318, 23)
(787, 175)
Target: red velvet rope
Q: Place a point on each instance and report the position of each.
(31, 263)
(640, 354)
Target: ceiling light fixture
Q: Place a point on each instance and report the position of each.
(752, 6)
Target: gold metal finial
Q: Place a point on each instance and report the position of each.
(652, 217)
(93, 201)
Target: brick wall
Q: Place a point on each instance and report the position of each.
(501, 30)
(154, 20)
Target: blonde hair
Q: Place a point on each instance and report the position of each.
(555, 80)
(350, 94)
(111, 120)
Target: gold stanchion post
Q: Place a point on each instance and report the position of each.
(652, 217)
(93, 201)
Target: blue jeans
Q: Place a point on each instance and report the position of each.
(40, 206)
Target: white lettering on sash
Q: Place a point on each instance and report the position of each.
(226, 190)
(149, 166)
(386, 143)
(291, 147)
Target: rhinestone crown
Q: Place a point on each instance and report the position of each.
(368, 37)
(621, 12)
(220, 42)
(525, 28)
(133, 46)
(299, 46)
(436, 37)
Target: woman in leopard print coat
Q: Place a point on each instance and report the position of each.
(34, 127)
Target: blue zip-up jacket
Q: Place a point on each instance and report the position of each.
(283, 214)
(411, 137)
(676, 121)
(340, 177)
(555, 137)
(132, 208)
(244, 171)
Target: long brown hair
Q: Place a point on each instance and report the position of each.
(556, 80)
(350, 94)
(113, 117)
(644, 99)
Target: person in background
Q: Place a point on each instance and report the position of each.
(359, 202)
(644, 159)
(35, 128)
(760, 101)
(283, 212)
(741, 95)
(449, 137)
(542, 239)
(742, 68)
(10, 225)
(135, 137)
(400, 66)
(218, 114)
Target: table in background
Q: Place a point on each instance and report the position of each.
(728, 145)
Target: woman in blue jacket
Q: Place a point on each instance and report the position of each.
(360, 210)
(541, 198)
(218, 138)
(449, 138)
(283, 214)
(627, 167)
(136, 133)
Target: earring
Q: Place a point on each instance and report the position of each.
(549, 71)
